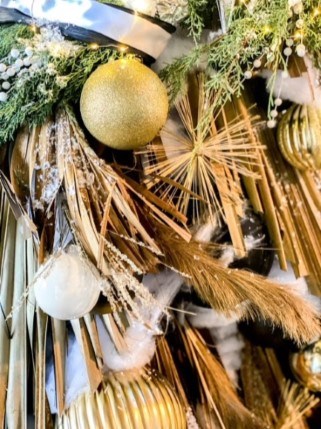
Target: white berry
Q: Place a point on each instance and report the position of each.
(26, 62)
(274, 113)
(14, 53)
(298, 8)
(11, 71)
(19, 62)
(300, 50)
(3, 68)
(257, 64)
(3, 97)
(6, 85)
(271, 123)
(278, 101)
(248, 74)
(29, 51)
(289, 42)
(287, 51)
(4, 76)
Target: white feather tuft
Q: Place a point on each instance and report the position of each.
(140, 348)
(301, 90)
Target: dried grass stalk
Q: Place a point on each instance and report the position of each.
(259, 386)
(280, 403)
(248, 294)
(165, 364)
(40, 368)
(60, 338)
(295, 403)
(218, 396)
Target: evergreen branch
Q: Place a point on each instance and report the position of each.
(257, 32)
(33, 96)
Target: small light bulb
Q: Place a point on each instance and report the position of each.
(94, 46)
(266, 29)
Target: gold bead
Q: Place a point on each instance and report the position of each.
(306, 366)
(129, 399)
(124, 104)
(299, 137)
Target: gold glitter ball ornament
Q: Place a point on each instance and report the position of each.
(306, 366)
(130, 399)
(299, 137)
(124, 104)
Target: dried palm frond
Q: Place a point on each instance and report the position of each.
(299, 210)
(218, 400)
(111, 216)
(249, 295)
(199, 164)
(7, 248)
(288, 199)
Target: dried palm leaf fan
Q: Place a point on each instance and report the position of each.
(98, 199)
(109, 213)
(199, 160)
(289, 200)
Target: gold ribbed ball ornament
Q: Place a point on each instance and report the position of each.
(299, 137)
(129, 399)
(306, 366)
(124, 104)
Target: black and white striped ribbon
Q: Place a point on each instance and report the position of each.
(101, 22)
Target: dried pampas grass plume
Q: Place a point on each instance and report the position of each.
(249, 295)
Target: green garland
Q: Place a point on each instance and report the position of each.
(33, 97)
(257, 31)
(254, 33)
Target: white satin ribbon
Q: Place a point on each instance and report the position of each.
(121, 26)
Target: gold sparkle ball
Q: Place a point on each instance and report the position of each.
(124, 104)
(306, 366)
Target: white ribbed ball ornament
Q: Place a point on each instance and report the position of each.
(67, 285)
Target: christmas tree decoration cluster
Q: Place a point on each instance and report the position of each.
(160, 208)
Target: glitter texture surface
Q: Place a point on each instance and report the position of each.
(124, 104)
